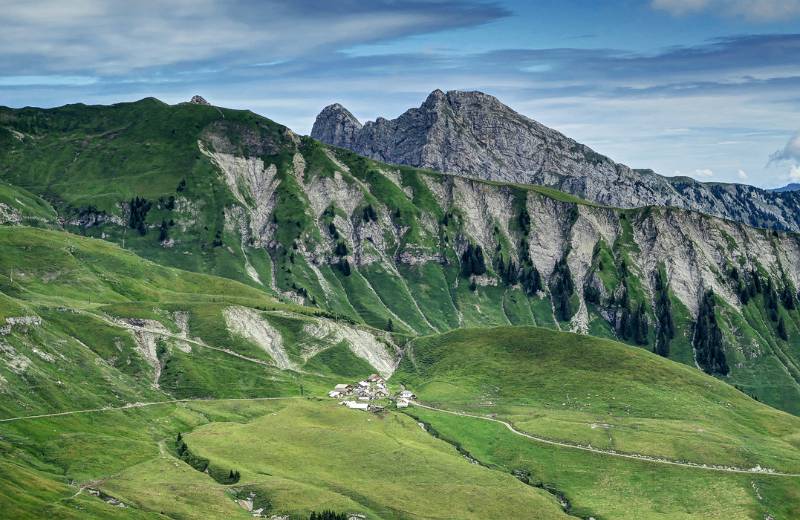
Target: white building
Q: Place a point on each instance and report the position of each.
(355, 405)
(402, 403)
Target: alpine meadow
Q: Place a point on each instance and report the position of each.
(456, 312)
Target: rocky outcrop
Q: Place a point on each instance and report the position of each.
(474, 134)
(336, 124)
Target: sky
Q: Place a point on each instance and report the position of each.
(704, 88)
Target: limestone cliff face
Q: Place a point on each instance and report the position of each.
(473, 134)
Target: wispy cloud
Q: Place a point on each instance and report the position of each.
(756, 10)
(109, 37)
(52, 80)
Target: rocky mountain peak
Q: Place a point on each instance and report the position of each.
(434, 98)
(474, 134)
(199, 100)
(336, 124)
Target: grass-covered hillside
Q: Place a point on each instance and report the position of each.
(85, 324)
(599, 392)
(106, 357)
(589, 392)
(181, 286)
(231, 193)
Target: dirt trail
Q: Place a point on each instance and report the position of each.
(645, 458)
(143, 405)
(180, 337)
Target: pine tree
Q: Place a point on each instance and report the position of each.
(332, 231)
(788, 297)
(782, 333)
(666, 325)
(344, 267)
(163, 232)
(390, 325)
(708, 338)
(472, 261)
(138, 213)
(561, 288)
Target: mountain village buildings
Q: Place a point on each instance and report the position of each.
(361, 395)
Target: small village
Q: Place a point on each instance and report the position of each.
(365, 394)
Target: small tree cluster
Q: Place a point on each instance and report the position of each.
(232, 478)
(561, 288)
(138, 212)
(167, 203)
(633, 324)
(163, 231)
(530, 279)
(344, 266)
(708, 338)
(185, 454)
(509, 272)
(788, 296)
(369, 214)
(666, 325)
(327, 515)
(332, 231)
(524, 221)
(472, 261)
(340, 249)
(782, 332)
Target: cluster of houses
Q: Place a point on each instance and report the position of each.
(366, 391)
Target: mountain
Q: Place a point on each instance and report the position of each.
(475, 135)
(792, 186)
(233, 194)
(181, 285)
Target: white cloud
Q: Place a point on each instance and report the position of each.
(755, 10)
(794, 173)
(790, 152)
(703, 172)
(742, 175)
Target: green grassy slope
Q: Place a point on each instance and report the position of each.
(600, 486)
(67, 303)
(599, 392)
(295, 456)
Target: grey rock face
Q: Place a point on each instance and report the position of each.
(335, 124)
(199, 100)
(475, 135)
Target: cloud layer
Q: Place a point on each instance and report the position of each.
(108, 37)
(759, 10)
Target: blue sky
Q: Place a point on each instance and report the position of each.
(706, 88)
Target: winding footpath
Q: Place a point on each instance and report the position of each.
(562, 444)
(611, 453)
(130, 406)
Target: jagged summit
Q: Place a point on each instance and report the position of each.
(199, 100)
(335, 124)
(474, 134)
